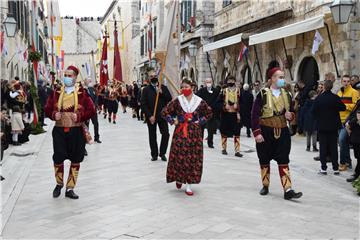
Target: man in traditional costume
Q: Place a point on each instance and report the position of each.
(229, 100)
(113, 103)
(271, 111)
(188, 113)
(69, 107)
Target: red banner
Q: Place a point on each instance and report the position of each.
(104, 74)
(117, 59)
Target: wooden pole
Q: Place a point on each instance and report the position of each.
(160, 82)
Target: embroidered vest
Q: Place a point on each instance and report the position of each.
(273, 106)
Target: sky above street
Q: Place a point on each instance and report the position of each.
(84, 8)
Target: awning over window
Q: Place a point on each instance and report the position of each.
(289, 30)
(222, 43)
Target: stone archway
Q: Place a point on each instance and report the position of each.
(309, 71)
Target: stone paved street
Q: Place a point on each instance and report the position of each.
(124, 195)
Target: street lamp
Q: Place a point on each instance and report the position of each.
(341, 10)
(10, 26)
(193, 50)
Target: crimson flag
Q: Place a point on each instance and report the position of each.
(117, 59)
(104, 75)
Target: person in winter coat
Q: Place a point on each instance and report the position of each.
(309, 122)
(246, 103)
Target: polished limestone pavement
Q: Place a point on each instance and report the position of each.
(124, 195)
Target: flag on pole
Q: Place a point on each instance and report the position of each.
(104, 74)
(243, 51)
(150, 33)
(167, 51)
(117, 60)
(317, 41)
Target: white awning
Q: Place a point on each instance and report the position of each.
(289, 30)
(222, 43)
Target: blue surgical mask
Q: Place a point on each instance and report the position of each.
(68, 81)
(280, 82)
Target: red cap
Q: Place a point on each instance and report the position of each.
(272, 71)
(74, 69)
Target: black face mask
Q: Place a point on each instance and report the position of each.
(154, 80)
(231, 84)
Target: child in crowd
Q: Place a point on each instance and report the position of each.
(17, 125)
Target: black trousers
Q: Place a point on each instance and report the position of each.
(272, 148)
(95, 122)
(329, 147)
(164, 130)
(356, 147)
(211, 127)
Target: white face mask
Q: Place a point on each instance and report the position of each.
(208, 85)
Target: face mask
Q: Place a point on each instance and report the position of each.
(68, 81)
(208, 85)
(186, 91)
(231, 84)
(280, 83)
(154, 80)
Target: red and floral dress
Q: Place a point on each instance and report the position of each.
(186, 153)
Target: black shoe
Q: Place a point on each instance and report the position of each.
(98, 141)
(210, 145)
(154, 159)
(109, 120)
(264, 191)
(163, 158)
(308, 149)
(2, 178)
(57, 191)
(351, 179)
(317, 158)
(238, 154)
(114, 122)
(70, 194)
(292, 194)
(315, 149)
(85, 153)
(322, 172)
(224, 152)
(104, 116)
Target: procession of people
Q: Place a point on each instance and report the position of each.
(265, 112)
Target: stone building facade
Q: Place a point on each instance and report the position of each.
(14, 54)
(197, 22)
(126, 16)
(79, 43)
(292, 52)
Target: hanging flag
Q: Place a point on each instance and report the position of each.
(104, 75)
(25, 55)
(243, 51)
(2, 40)
(317, 41)
(117, 60)
(150, 33)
